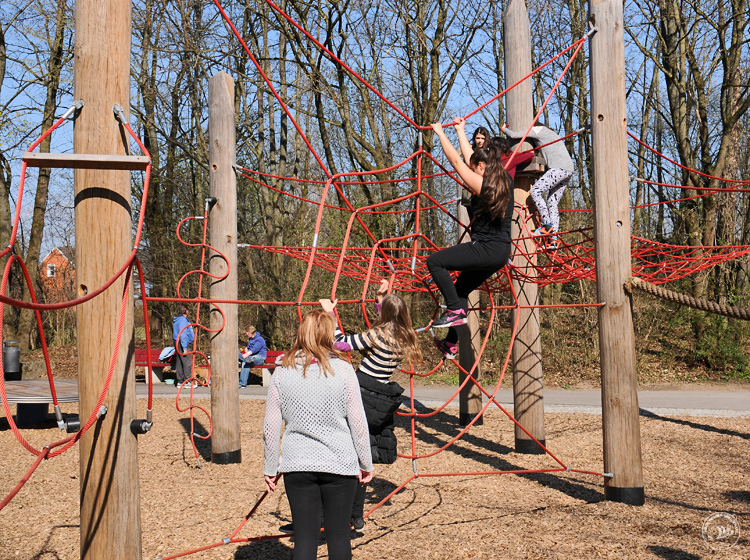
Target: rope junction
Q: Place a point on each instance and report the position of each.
(399, 259)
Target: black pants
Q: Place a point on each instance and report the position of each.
(477, 261)
(306, 491)
(358, 507)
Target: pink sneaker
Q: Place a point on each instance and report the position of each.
(451, 318)
(448, 349)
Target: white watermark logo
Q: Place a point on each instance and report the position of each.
(721, 531)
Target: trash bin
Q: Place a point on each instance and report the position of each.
(11, 360)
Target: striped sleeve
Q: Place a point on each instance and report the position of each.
(379, 359)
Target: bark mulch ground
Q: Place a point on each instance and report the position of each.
(693, 467)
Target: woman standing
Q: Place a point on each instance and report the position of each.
(325, 451)
(390, 341)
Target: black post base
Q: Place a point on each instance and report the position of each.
(465, 418)
(227, 458)
(530, 447)
(630, 496)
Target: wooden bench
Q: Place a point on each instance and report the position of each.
(141, 360)
(32, 398)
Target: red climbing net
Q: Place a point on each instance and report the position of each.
(400, 259)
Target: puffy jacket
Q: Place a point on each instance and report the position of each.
(380, 400)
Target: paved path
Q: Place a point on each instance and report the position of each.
(688, 402)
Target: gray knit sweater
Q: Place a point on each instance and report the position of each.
(556, 154)
(326, 428)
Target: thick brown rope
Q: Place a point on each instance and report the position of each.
(682, 299)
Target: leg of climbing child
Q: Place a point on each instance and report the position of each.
(542, 185)
(562, 178)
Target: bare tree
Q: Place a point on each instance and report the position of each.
(60, 54)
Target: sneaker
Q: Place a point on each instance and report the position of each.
(451, 318)
(552, 243)
(358, 523)
(287, 529)
(448, 349)
(544, 229)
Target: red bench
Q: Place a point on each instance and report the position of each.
(141, 360)
(271, 356)
(269, 365)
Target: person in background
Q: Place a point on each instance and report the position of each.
(479, 139)
(325, 451)
(467, 150)
(253, 355)
(183, 336)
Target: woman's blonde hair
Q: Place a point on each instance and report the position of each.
(314, 342)
(394, 326)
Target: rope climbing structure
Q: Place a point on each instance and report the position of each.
(400, 259)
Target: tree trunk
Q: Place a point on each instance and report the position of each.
(26, 330)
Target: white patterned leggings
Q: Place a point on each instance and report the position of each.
(554, 180)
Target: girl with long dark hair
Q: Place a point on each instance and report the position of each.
(491, 213)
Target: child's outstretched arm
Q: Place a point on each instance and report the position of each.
(473, 181)
(339, 343)
(382, 291)
(463, 141)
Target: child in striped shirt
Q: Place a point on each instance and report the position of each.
(389, 341)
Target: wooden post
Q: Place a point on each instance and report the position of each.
(110, 502)
(469, 344)
(621, 429)
(528, 390)
(225, 403)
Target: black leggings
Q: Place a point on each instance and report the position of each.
(305, 492)
(476, 260)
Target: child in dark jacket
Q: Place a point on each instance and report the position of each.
(390, 341)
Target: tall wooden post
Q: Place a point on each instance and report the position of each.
(225, 404)
(110, 503)
(469, 344)
(621, 430)
(528, 390)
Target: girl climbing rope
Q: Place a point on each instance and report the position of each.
(491, 212)
(390, 341)
(559, 170)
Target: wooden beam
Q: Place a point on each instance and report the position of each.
(110, 498)
(469, 344)
(528, 390)
(87, 161)
(225, 403)
(620, 420)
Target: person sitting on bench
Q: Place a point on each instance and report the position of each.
(253, 355)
